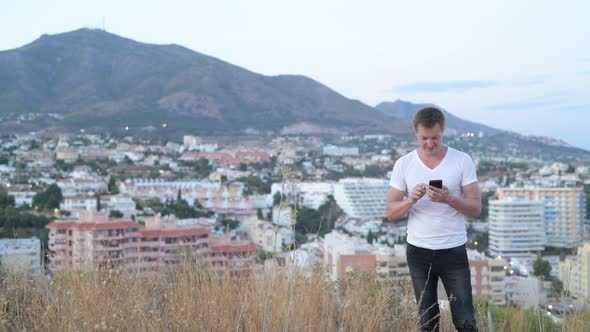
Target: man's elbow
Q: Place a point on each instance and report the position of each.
(390, 214)
(476, 212)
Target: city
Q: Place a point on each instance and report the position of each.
(84, 202)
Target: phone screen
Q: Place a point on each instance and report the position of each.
(436, 183)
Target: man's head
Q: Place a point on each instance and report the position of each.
(429, 117)
(429, 125)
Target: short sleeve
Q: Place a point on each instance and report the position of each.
(397, 177)
(469, 173)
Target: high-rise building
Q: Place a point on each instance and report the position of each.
(564, 212)
(362, 197)
(516, 227)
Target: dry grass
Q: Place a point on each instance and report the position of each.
(190, 298)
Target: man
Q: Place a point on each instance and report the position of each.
(436, 220)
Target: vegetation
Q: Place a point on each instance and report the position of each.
(48, 199)
(486, 166)
(229, 224)
(255, 185)
(320, 221)
(179, 208)
(15, 223)
(192, 298)
(541, 268)
(200, 167)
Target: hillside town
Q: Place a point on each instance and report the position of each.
(84, 202)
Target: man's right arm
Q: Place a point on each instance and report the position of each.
(397, 206)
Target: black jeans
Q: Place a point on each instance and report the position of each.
(452, 267)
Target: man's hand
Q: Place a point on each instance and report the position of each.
(439, 195)
(417, 192)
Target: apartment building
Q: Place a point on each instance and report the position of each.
(22, 197)
(516, 227)
(343, 254)
(190, 190)
(21, 254)
(266, 235)
(81, 186)
(524, 292)
(97, 241)
(362, 197)
(308, 194)
(564, 212)
(487, 277)
(574, 272)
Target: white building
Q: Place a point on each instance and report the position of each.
(22, 197)
(73, 203)
(122, 203)
(525, 292)
(80, 186)
(282, 216)
(190, 141)
(574, 272)
(332, 150)
(190, 190)
(266, 235)
(516, 227)
(361, 227)
(362, 197)
(308, 194)
(21, 254)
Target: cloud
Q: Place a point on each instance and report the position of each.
(451, 86)
(541, 105)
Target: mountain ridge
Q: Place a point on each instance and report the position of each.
(91, 76)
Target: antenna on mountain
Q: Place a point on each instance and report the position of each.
(103, 25)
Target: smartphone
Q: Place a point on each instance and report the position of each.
(436, 183)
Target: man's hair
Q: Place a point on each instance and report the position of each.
(429, 117)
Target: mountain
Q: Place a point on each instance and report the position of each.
(404, 111)
(94, 80)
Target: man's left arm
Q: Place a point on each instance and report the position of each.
(469, 205)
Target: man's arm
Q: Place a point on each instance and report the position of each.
(469, 205)
(397, 207)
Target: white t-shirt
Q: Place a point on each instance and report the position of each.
(433, 225)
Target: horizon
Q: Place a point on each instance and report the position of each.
(512, 71)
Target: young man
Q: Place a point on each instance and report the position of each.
(436, 220)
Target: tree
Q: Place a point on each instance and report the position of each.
(179, 195)
(370, 237)
(541, 268)
(6, 200)
(115, 214)
(98, 205)
(278, 198)
(230, 224)
(556, 287)
(113, 189)
(259, 214)
(48, 199)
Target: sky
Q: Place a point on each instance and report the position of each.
(522, 65)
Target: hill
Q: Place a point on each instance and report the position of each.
(94, 80)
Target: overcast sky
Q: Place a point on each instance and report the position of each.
(516, 65)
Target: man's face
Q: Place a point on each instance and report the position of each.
(430, 139)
